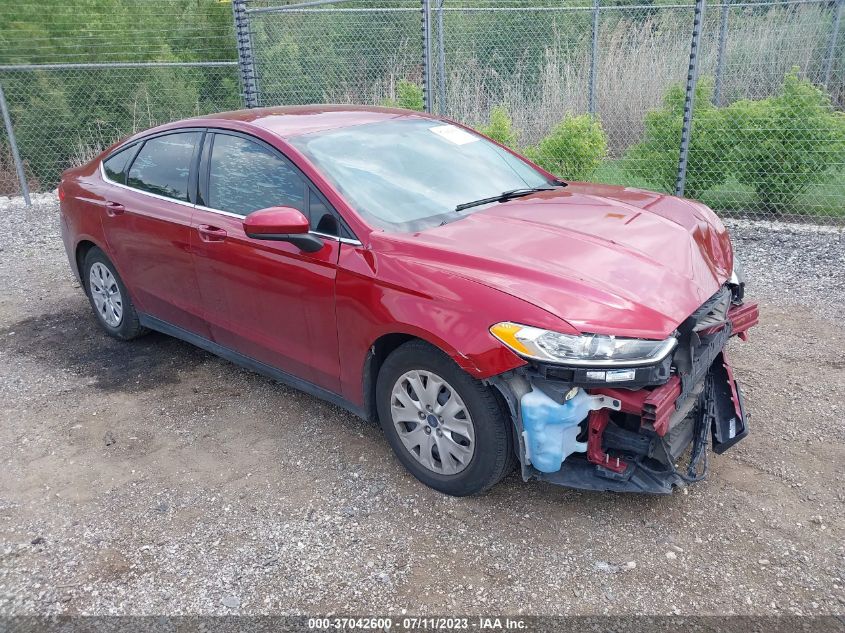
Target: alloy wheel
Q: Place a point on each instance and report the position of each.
(106, 294)
(432, 422)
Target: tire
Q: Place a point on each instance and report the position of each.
(115, 313)
(474, 428)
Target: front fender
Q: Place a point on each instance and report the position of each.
(379, 294)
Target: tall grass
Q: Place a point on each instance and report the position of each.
(639, 58)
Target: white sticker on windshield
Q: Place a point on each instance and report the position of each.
(454, 134)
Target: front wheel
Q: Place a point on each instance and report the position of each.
(448, 429)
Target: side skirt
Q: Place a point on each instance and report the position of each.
(250, 363)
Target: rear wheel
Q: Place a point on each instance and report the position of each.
(448, 429)
(109, 298)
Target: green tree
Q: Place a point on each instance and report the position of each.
(66, 116)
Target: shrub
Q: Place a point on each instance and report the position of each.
(778, 146)
(573, 150)
(655, 158)
(408, 95)
(500, 128)
(784, 144)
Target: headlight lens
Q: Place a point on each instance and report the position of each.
(593, 350)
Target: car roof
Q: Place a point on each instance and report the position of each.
(291, 121)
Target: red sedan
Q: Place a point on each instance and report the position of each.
(414, 272)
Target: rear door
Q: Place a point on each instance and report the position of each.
(147, 225)
(264, 299)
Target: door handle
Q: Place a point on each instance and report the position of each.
(210, 233)
(114, 208)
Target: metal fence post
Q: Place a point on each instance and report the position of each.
(441, 60)
(426, 53)
(692, 80)
(246, 60)
(720, 55)
(594, 57)
(13, 146)
(831, 47)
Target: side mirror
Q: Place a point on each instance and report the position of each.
(282, 224)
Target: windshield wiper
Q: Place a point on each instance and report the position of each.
(503, 197)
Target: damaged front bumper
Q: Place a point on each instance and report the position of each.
(627, 430)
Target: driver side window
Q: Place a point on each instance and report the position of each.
(245, 177)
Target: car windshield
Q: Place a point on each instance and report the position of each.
(410, 174)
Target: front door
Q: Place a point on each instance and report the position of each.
(264, 299)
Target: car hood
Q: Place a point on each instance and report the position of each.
(605, 259)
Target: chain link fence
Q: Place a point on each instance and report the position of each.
(546, 62)
(765, 126)
(769, 138)
(78, 76)
(342, 52)
(65, 115)
(766, 136)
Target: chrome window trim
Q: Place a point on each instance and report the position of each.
(185, 203)
(342, 240)
(229, 214)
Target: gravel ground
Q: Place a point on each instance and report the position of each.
(151, 477)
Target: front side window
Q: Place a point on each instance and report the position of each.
(323, 219)
(412, 173)
(163, 165)
(245, 177)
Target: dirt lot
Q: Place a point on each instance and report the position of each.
(151, 477)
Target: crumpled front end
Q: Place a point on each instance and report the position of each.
(635, 429)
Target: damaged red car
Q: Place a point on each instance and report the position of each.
(412, 271)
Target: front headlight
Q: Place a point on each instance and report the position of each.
(593, 350)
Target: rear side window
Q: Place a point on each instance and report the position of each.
(245, 177)
(163, 165)
(115, 165)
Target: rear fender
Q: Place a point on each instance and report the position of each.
(81, 213)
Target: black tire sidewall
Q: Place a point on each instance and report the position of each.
(492, 432)
(129, 326)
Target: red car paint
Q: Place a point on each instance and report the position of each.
(270, 301)
(585, 258)
(605, 259)
(597, 423)
(654, 406)
(743, 318)
(150, 244)
(276, 221)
